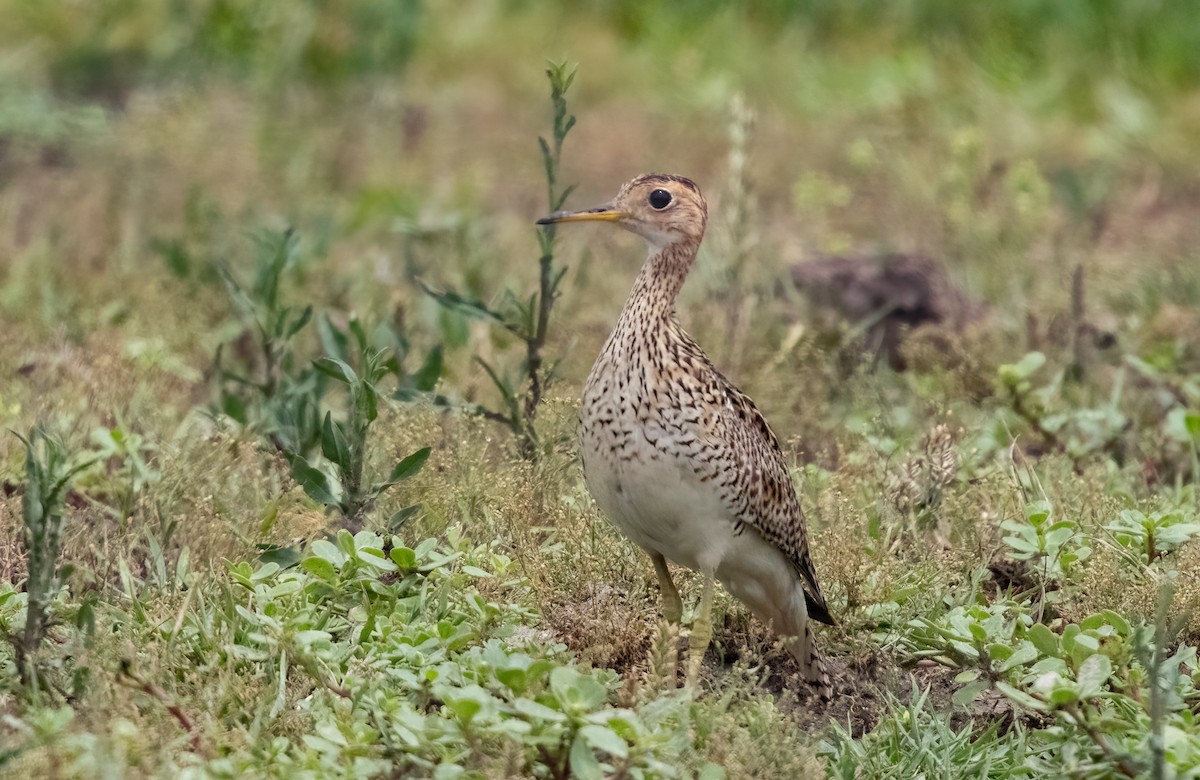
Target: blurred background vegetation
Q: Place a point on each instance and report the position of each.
(1043, 155)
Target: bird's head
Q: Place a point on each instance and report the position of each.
(660, 208)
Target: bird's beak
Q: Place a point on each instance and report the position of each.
(605, 213)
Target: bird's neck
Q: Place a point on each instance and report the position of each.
(652, 300)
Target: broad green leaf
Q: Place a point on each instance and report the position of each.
(1025, 653)
(1063, 694)
(584, 765)
(1093, 674)
(410, 465)
(404, 557)
(575, 691)
(320, 567)
(285, 557)
(312, 480)
(604, 738)
(328, 551)
(375, 559)
(1045, 640)
(1117, 622)
(533, 709)
(1037, 512)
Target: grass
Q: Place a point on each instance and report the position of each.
(1006, 530)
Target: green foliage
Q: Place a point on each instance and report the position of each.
(264, 388)
(344, 444)
(284, 403)
(120, 45)
(399, 664)
(1017, 144)
(1152, 536)
(522, 389)
(913, 741)
(128, 460)
(49, 469)
(1106, 682)
(1053, 547)
(1079, 431)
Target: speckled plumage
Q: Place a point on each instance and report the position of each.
(680, 459)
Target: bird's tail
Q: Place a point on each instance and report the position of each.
(812, 665)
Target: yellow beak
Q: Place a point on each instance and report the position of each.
(605, 213)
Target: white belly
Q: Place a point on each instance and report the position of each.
(664, 509)
(652, 503)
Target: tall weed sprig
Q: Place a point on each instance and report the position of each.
(48, 472)
(528, 319)
(262, 388)
(344, 443)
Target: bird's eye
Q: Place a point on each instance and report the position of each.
(660, 199)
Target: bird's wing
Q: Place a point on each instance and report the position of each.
(734, 449)
(764, 497)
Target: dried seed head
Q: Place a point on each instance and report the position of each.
(942, 456)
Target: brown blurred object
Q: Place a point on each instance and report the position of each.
(886, 296)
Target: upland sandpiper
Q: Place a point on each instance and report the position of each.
(678, 458)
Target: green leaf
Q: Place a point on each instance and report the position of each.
(319, 567)
(409, 466)
(575, 691)
(533, 709)
(978, 632)
(470, 307)
(584, 765)
(284, 557)
(347, 542)
(1093, 674)
(399, 519)
(299, 322)
(336, 369)
(313, 480)
(604, 738)
(1063, 694)
(333, 444)
(328, 551)
(1117, 622)
(360, 335)
(369, 398)
(468, 702)
(1045, 640)
(404, 557)
(333, 340)
(375, 558)
(968, 693)
(1019, 697)
(426, 377)
(1030, 364)
(1037, 512)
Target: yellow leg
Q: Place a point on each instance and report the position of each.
(672, 605)
(702, 632)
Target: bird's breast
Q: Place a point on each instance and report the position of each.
(646, 460)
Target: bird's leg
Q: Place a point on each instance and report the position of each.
(702, 632)
(672, 606)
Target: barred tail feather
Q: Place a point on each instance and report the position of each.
(812, 665)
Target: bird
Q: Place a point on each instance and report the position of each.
(679, 459)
